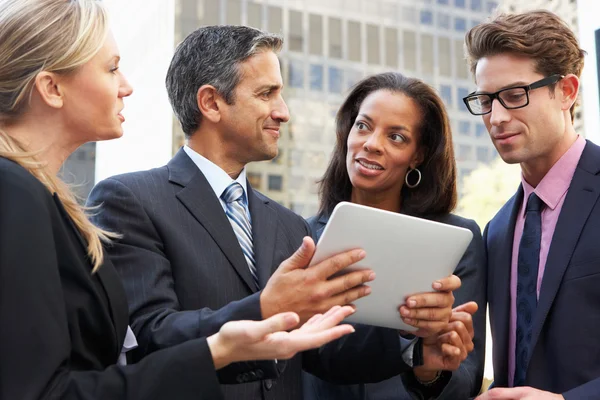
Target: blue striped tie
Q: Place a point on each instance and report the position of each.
(237, 213)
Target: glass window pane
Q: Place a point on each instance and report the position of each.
(459, 3)
(446, 93)
(464, 153)
(464, 128)
(275, 17)
(491, 6)
(460, 24)
(295, 39)
(352, 77)
(335, 80)
(315, 31)
(335, 38)
(296, 74)
(462, 71)
(427, 54)
(443, 20)
(410, 50)
(275, 183)
(391, 47)
(255, 180)
(409, 14)
(234, 12)
(444, 59)
(476, 5)
(426, 17)
(316, 77)
(354, 48)
(254, 15)
(442, 1)
(480, 130)
(373, 44)
(482, 154)
(209, 11)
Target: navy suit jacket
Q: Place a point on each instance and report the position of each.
(185, 276)
(466, 381)
(566, 349)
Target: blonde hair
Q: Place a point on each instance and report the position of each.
(55, 36)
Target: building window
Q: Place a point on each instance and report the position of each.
(335, 80)
(474, 23)
(444, 61)
(446, 93)
(460, 24)
(391, 47)
(209, 11)
(409, 14)
(354, 47)
(234, 12)
(476, 5)
(296, 74)
(426, 17)
(335, 38)
(442, 1)
(316, 77)
(459, 3)
(275, 183)
(480, 130)
(373, 56)
(410, 50)
(315, 32)
(483, 154)
(254, 15)
(427, 54)
(255, 179)
(462, 71)
(464, 152)
(352, 77)
(275, 19)
(443, 21)
(464, 128)
(491, 6)
(296, 36)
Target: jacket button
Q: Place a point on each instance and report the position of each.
(268, 384)
(259, 373)
(252, 375)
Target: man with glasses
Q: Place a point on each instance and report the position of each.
(543, 246)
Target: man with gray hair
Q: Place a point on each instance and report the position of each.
(200, 247)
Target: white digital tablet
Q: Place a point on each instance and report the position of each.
(407, 254)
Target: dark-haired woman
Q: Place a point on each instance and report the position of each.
(394, 152)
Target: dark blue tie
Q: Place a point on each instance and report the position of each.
(528, 264)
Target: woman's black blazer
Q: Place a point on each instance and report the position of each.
(62, 327)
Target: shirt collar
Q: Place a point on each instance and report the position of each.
(554, 185)
(218, 179)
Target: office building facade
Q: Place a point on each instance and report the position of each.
(329, 46)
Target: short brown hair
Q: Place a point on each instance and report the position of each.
(539, 35)
(436, 194)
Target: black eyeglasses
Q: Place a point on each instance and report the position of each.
(510, 98)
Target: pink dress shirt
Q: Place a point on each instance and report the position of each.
(552, 190)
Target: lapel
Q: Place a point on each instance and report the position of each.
(501, 234)
(264, 231)
(109, 280)
(582, 195)
(200, 200)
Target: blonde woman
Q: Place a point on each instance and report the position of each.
(63, 312)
